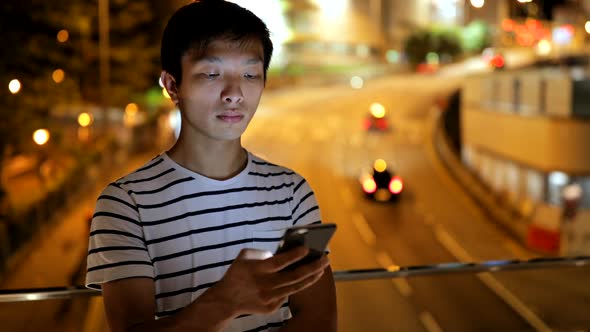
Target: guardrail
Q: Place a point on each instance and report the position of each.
(39, 294)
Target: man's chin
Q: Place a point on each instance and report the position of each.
(230, 135)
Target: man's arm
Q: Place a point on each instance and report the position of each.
(130, 306)
(314, 308)
(248, 287)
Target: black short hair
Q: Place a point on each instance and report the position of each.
(194, 26)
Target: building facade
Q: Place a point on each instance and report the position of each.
(526, 135)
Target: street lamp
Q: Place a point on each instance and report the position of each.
(84, 120)
(63, 35)
(477, 3)
(130, 114)
(58, 75)
(587, 27)
(41, 136)
(14, 86)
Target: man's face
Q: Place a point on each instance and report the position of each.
(220, 91)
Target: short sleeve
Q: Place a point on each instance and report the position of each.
(116, 248)
(304, 206)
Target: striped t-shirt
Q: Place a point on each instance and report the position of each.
(183, 230)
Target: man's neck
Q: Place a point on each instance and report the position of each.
(221, 161)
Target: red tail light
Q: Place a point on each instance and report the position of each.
(381, 123)
(396, 185)
(369, 185)
(498, 61)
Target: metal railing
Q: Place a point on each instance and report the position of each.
(38, 294)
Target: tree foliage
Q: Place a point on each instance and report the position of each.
(475, 37)
(32, 53)
(447, 42)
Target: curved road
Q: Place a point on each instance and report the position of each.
(318, 133)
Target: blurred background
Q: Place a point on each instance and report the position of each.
(434, 132)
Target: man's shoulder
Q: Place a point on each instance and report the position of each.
(150, 171)
(262, 165)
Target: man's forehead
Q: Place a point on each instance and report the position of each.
(247, 47)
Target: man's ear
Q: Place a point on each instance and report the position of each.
(170, 86)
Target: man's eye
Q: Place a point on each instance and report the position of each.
(207, 76)
(251, 76)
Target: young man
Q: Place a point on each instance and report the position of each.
(171, 243)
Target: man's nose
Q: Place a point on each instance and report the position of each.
(232, 93)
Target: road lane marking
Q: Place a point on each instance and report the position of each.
(429, 219)
(363, 228)
(517, 251)
(429, 322)
(384, 260)
(492, 283)
(346, 196)
(401, 284)
(419, 208)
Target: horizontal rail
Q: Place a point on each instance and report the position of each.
(55, 293)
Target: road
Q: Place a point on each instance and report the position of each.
(318, 133)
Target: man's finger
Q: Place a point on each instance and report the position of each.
(286, 278)
(282, 260)
(254, 254)
(295, 288)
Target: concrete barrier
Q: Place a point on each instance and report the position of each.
(487, 199)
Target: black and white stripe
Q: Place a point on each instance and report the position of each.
(184, 230)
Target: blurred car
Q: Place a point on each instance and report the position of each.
(381, 183)
(494, 58)
(427, 68)
(376, 119)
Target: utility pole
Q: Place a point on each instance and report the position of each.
(104, 52)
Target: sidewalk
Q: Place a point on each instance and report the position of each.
(22, 180)
(53, 259)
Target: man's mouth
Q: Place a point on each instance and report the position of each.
(230, 116)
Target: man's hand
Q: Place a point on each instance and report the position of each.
(261, 286)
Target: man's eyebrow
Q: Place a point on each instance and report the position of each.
(211, 58)
(253, 61)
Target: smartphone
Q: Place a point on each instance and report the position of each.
(315, 237)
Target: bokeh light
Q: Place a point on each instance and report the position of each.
(63, 36)
(84, 119)
(14, 86)
(131, 109)
(41, 136)
(58, 76)
(377, 110)
(477, 3)
(356, 82)
(380, 165)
